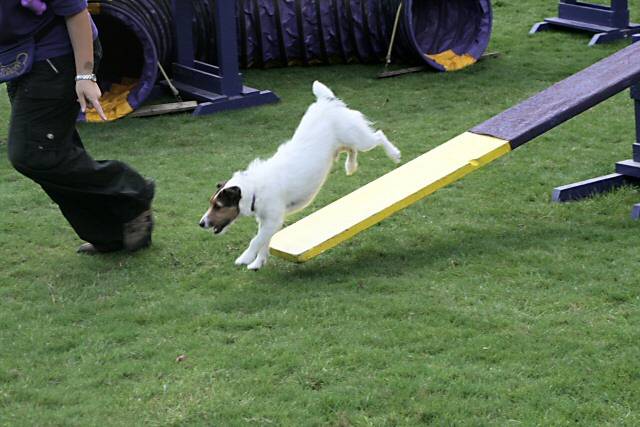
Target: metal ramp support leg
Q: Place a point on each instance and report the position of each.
(626, 171)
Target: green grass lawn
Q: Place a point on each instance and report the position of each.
(484, 304)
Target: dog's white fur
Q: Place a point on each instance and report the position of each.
(290, 180)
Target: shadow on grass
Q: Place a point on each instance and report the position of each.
(414, 253)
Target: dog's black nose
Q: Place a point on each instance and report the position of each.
(202, 224)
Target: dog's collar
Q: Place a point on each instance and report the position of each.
(253, 203)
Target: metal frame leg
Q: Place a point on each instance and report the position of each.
(590, 187)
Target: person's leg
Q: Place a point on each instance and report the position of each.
(82, 217)
(97, 197)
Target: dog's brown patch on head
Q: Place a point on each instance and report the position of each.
(225, 207)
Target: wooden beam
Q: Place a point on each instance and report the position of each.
(159, 109)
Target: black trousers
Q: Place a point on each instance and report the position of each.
(96, 197)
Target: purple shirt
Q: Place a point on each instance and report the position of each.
(17, 22)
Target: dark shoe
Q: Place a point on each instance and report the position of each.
(137, 232)
(91, 249)
(87, 249)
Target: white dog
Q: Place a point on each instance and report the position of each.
(289, 181)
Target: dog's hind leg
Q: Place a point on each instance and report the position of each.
(369, 140)
(392, 151)
(359, 135)
(351, 164)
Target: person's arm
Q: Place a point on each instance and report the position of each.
(79, 28)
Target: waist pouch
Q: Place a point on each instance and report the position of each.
(17, 59)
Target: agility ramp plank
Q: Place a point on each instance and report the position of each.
(449, 162)
(565, 99)
(386, 195)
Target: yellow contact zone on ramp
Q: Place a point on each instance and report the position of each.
(385, 196)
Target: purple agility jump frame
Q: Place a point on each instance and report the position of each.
(608, 22)
(217, 88)
(220, 87)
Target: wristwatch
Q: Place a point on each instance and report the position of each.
(91, 77)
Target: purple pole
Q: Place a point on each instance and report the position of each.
(227, 46)
(183, 18)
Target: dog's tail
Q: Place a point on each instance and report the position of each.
(322, 92)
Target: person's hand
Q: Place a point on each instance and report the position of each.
(88, 95)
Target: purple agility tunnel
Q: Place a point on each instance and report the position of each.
(137, 35)
(444, 34)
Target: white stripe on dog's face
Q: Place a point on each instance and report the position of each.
(224, 209)
(204, 221)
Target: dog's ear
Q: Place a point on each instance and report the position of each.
(230, 196)
(221, 184)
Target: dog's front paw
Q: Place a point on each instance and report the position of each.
(245, 259)
(258, 263)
